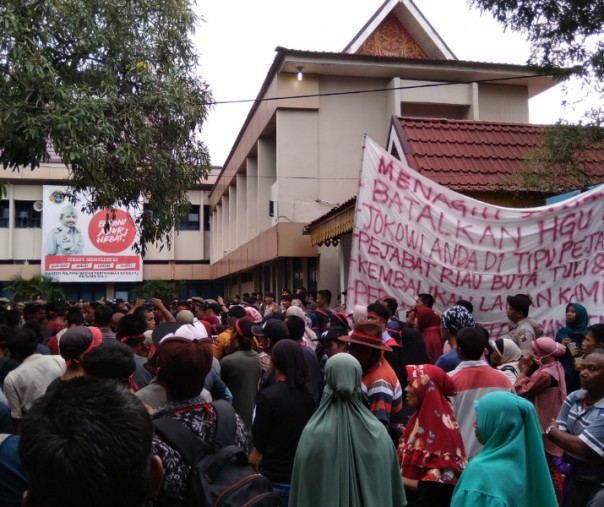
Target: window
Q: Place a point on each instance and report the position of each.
(26, 216)
(313, 273)
(206, 218)
(189, 222)
(4, 212)
(298, 267)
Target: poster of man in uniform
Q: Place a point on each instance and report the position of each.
(66, 239)
(82, 247)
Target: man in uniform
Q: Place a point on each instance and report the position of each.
(66, 239)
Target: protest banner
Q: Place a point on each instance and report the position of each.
(80, 247)
(414, 236)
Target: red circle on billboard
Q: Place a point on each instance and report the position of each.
(118, 237)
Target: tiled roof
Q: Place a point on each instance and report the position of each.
(477, 155)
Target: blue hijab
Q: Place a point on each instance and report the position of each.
(575, 331)
(511, 468)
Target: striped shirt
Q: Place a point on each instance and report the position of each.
(383, 391)
(587, 423)
(474, 379)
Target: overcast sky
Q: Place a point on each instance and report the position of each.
(237, 42)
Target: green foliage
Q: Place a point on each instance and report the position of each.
(560, 164)
(562, 33)
(37, 286)
(566, 40)
(161, 289)
(113, 85)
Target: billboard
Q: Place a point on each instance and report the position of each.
(77, 246)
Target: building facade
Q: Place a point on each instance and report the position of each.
(297, 157)
(298, 154)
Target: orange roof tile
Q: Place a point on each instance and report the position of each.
(479, 156)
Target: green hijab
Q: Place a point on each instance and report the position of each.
(345, 455)
(510, 470)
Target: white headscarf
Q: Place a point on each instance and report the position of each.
(309, 335)
(510, 353)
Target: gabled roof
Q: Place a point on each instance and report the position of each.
(399, 29)
(474, 156)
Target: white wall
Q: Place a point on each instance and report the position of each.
(503, 103)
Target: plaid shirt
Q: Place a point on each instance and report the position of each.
(200, 417)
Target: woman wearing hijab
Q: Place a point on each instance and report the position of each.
(545, 387)
(345, 455)
(505, 356)
(571, 336)
(431, 449)
(282, 411)
(428, 323)
(510, 470)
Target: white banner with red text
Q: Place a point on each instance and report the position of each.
(414, 236)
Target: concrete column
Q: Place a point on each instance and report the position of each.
(219, 233)
(267, 175)
(252, 199)
(241, 210)
(226, 245)
(233, 218)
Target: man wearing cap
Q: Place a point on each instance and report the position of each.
(379, 381)
(332, 345)
(75, 343)
(154, 395)
(182, 367)
(67, 238)
(522, 331)
(241, 370)
(4, 304)
(379, 314)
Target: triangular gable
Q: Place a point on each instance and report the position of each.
(391, 39)
(399, 29)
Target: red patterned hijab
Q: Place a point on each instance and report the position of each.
(431, 448)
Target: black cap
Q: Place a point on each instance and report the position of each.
(273, 329)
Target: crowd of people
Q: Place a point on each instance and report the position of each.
(367, 408)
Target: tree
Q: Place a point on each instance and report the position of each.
(37, 286)
(563, 33)
(112, 86)
(566, 40)
(161, 289)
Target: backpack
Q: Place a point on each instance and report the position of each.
(220, 474)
